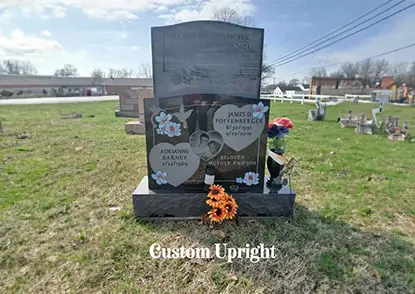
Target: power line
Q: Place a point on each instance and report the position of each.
(339, 63)
(283, 57)
(302, 51)
(345, 37)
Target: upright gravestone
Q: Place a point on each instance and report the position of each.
(128, 106)
(137, 127)
(143, 94)
(206, 112)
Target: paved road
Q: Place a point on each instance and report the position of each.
(54, 100)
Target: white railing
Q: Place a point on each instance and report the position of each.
(361, 97)
(306, 98)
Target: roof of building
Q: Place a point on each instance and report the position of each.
(52, 81)
(289, 88)
(387, 82)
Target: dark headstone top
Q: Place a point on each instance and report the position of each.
(207, 57)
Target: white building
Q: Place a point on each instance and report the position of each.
(305, 88)
(282, 91)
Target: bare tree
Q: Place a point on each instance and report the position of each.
(400, 72)
(319, 72)
(337, 74)
(113, 73)
(293, 82)
(120, 73)
(270, 88)
(228, 14)
(98, 73)
(127, 72)
(350, 70)
(11, 67)
(267, 70)
(28, 69)
(145, 71)
(411, 75)
(366, 71)
(68, 70)
(16, 67)
(380, 68)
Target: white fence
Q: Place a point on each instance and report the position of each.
(329, 100)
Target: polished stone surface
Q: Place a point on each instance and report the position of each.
(153, 205)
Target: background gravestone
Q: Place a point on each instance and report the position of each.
(128, 103)
(143, 94)
(137, 127)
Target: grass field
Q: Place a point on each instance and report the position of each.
(353, 230)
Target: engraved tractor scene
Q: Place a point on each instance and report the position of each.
(186, 75)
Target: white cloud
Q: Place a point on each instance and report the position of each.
(101, 9)
(203, 10)
(59, 11)
(21, 46)
(45, 54)
(46, 33)
(122, 48)
(399, 35)
(6, 15)
(161, 8)
(127, 9)
(82, 53)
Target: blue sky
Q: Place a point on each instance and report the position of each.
(116, 33)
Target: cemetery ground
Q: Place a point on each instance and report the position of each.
(61, 230)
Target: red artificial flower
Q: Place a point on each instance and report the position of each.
(284, 121)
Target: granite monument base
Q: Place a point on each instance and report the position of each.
(135, 128)
(314, 116)
(126, 114)
(150, 205)
(349, 123)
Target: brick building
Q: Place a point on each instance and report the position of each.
(76, 86)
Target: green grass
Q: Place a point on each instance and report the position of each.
(353, 230)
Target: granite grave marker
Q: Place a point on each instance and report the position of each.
(206, 111)
(128, 106)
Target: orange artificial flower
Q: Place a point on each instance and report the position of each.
(214, 202)
(226, 197)
(217, 214)
(230, 208)
(216, 191)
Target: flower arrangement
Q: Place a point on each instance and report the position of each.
(223, 206)
(277, 130)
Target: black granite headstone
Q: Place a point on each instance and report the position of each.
(206, 111)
